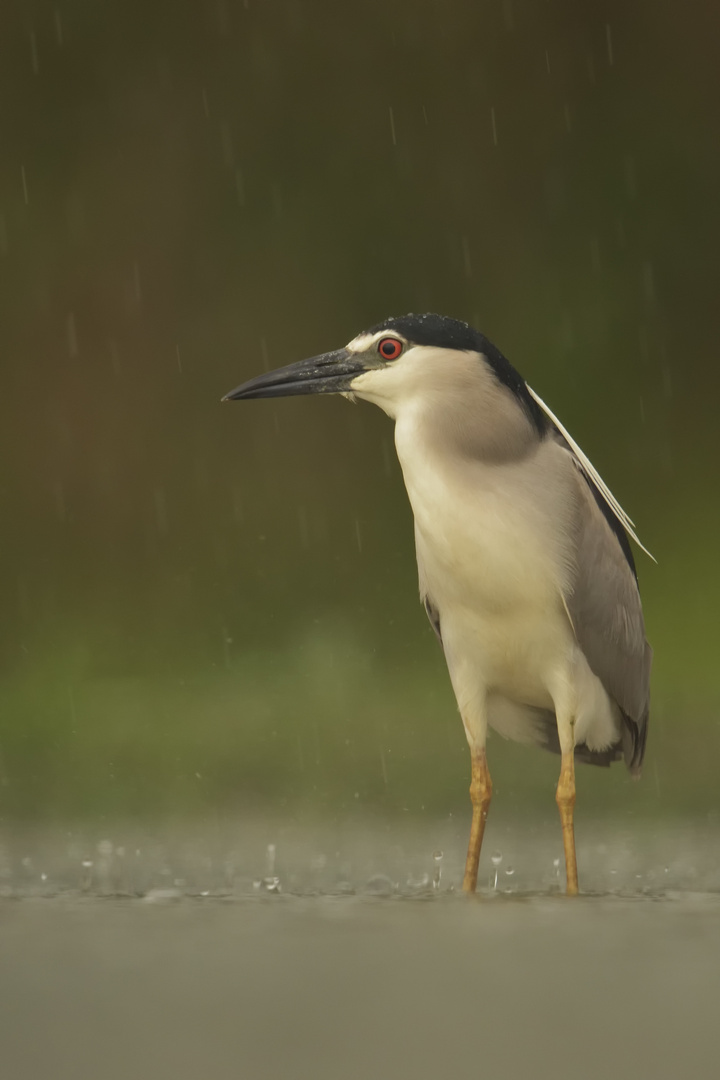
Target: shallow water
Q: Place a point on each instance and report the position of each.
(288, 987)
(364, 964)
(237, 858)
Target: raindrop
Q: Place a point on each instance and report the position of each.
(87, 876)
(383, 766)
(493, 123)
(437, 869)
(223, 18)
(392, 126)
(270, 860)
(608, 38)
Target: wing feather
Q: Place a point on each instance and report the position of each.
(606, 614)
(592, 474)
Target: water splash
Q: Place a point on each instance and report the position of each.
(496, 860)
(437, 869)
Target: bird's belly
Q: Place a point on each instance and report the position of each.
(500, 606)
(493, 557)
(518, 655)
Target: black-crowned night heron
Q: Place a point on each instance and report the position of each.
(525, 568)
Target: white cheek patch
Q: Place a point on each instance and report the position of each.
(368, 380)
(387, 386)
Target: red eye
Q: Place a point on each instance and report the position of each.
(390, 348)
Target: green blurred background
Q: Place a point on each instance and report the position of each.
(212, 608)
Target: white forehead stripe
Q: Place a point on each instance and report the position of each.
(360, 343)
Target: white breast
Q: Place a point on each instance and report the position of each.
(494, 553)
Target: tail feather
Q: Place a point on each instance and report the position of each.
(634, 740)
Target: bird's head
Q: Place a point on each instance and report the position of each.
(426, 358)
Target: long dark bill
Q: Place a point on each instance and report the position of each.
(329, 373)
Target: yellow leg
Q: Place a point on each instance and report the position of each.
(481, 794)
(565, 798)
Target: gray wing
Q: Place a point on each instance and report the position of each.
(430, 609)
(606, 612)
(433, 615)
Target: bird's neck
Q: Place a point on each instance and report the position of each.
(487, 426)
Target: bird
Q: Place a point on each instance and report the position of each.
(525, 567)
